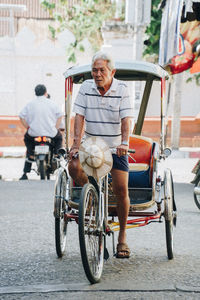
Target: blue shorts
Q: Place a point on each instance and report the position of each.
(120, 162)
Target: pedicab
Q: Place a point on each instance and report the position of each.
(93, 207)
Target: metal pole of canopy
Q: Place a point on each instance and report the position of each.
(167, 112)
(162, 134)
(143, 106)
(68, 102)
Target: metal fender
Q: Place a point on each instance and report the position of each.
(41, 156)
(197, 190)
(197, 178)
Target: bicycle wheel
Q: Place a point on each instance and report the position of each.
(168, 211)
(60, 207)
(197, 197)
(42, 170)
(91, 236)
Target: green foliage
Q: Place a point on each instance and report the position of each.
(53, 31)
(83, 19)
(48, 5)
(153, 30)
(196, 78)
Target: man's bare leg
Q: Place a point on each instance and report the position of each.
(77, 173)
(120, 189)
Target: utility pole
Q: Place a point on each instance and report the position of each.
(176, 110)
(118, 11)
(138, 14)
(11, 8)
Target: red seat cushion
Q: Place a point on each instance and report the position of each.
(143, 149)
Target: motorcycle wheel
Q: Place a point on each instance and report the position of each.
(197, 197)
(42, 170)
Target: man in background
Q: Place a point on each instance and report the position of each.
(41, 117)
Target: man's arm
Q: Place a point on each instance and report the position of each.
(58, 122)
(125, 130)
(24, 123)
(78, 129)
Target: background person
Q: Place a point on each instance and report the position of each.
(41, 117)
(104, 105)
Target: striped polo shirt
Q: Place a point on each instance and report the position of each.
(103, 114)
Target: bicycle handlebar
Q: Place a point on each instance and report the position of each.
(113, 151)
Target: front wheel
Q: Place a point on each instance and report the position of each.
(168, 211)
(60, 208)
(91, 235)
(197, 196)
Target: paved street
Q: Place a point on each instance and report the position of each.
(29, 268)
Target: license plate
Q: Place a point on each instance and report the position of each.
(41, 149)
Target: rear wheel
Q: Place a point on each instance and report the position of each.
(42, 169)
(91, 235)
(168, 211)
(61, 189)
(197, 197)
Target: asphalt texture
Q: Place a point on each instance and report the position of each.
(30, 269)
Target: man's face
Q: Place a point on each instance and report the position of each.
(102, 74)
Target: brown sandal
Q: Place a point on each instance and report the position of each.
(123, 251)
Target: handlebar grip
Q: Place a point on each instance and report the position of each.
(131, 150)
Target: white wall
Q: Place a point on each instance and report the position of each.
(27, 61)
(190, 102)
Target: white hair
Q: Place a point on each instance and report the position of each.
(104, 56)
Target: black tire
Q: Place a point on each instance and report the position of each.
(60, 208)
(197, 197)
(168, 211)
(48, 176)
(42, 170)
(91, 236)
(169, 238)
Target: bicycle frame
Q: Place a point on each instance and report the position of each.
(139, 219)
(102, 211)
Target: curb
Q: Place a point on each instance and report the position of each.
(9, 152)
(186, 153)
(194, 154)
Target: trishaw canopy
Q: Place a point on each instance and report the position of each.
(125, 70)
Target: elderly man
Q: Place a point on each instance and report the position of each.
(104, 106)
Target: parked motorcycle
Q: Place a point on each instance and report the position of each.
(196, 182)
(44, 156)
